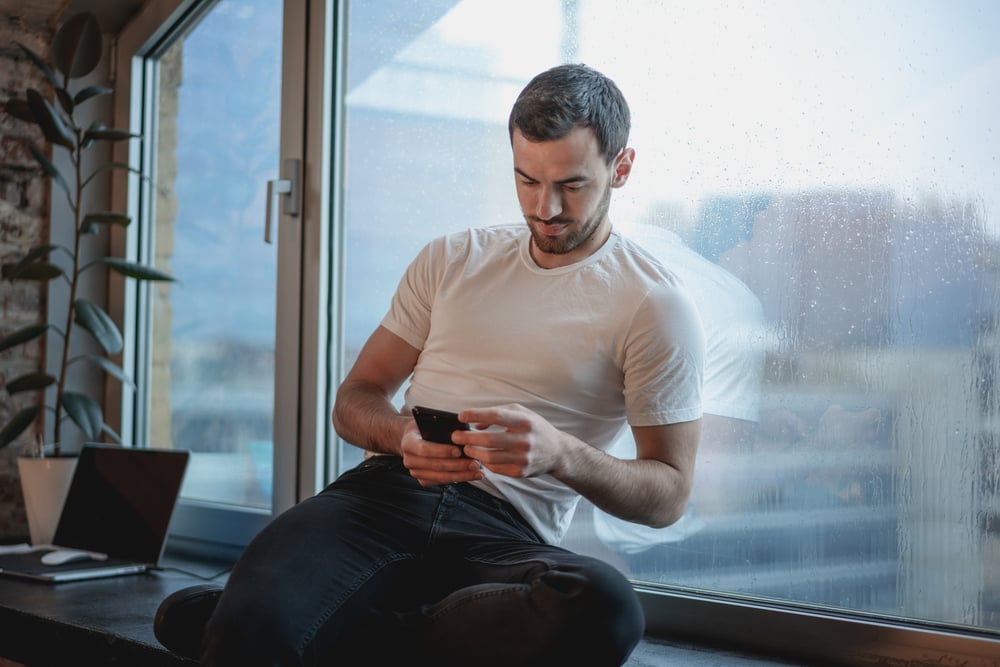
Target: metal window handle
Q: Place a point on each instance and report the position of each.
(288, 186)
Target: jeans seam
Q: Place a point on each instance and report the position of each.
(444, 507)
(502, 508)
(332, 608)
(458, 604)
(544, 562)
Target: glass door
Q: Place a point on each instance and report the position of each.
(213, 332)
(218, 94)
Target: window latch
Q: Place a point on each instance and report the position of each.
(288, 187)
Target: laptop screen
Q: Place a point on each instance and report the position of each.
(120, 501)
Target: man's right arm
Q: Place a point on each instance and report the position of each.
(363, 413)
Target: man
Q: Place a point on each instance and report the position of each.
(544, 339)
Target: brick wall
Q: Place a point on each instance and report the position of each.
(24, 205)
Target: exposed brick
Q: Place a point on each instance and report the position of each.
(13, 522)
(19, 229)
(21, 305)
(36, 200)
(24, 201)
(15, 151)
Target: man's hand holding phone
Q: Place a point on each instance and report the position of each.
(513, 441)
(429, 453)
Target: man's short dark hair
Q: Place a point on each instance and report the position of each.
(569, 96)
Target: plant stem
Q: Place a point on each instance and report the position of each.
(76, 156)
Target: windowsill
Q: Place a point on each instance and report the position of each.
(110, 621)
(107, 621)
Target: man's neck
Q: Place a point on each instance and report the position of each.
(552, 260)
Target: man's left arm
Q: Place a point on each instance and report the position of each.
(652, 489)
(663, 372)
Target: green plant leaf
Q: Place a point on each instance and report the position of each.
(99, 131)
(31, 263)
(111, 133)
(22, 336)
(103, 218)
(48, 119)
(48, 167)
(17, 424)
(65, 100)
(85, 413)
(137, 271)
(109, 166)
(19, 109)
(100, 325)
(40, 64)
(109, 367)
(41, 251)
(77, 46)
(90, 92)
(37, 270)
(110, 432)
(30, 382)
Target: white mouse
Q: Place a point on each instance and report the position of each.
(63, 556)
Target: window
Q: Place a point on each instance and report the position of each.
(218, 91)
(825, 178)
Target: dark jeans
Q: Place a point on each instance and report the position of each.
(377, 570)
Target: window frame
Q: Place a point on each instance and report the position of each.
(800, 632)
(780, 629)
(201, 527)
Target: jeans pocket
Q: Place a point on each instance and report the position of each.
(371, 465)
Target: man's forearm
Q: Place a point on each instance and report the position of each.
(364, 416)
(649, 492)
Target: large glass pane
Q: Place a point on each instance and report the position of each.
(824, 176)
(217, 118)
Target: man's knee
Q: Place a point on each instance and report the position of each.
(604, 620)
(248, 634)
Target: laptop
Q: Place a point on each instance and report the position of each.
(118, 508)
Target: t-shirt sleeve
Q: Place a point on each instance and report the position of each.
(409, 315)
(664, 359)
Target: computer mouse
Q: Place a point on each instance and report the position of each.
(63, 556)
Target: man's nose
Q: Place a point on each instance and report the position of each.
(549, 203)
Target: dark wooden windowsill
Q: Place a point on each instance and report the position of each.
(98, 622)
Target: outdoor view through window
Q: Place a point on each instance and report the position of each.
(824, 176)
(218, 92)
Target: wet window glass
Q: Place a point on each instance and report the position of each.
(824, 177)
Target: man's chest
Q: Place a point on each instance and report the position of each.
(544, 337)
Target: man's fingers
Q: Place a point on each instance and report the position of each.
(433, 477)
(511, 416)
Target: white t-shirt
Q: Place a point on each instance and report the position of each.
(587, 346)
(734, 331)
(732, 317)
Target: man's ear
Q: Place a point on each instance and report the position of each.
(622, 167)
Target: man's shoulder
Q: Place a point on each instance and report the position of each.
(636, 260)
(480, 240)
(512, 232)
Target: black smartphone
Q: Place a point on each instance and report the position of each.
(437, 425)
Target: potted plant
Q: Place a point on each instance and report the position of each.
(77, 48)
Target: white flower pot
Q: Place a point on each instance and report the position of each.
(45, 482)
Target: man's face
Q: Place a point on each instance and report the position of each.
(564, 188)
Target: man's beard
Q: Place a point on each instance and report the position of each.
(573, 238)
